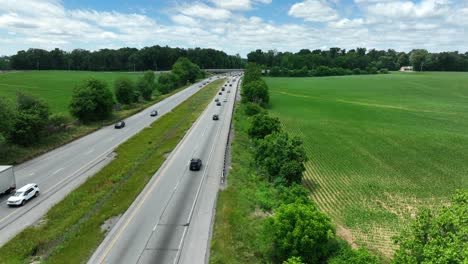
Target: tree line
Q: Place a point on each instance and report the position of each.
(28, 120)
(296, 231)
(155, 58)
(337, 61)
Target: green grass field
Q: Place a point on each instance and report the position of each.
(55, 87)
(380, 146)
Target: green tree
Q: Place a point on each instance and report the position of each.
(300, 230)
(418, 58)
(437, 236)
(256, 92)
(124, 90)
(252, 72)
(91, 101)
(281, 156)
(167, 82)
(263, 125)
(186, 71)
(146, 85)
(31, 119)
(7, 119)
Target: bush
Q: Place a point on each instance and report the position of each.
(300, 230)
(281, 156)
(356, 71)
(58, 122)
(345, 254)
(252, 73)
(7, 118)
(186, 71)
(256, 92)
(146, 85)
(91, 101)
(252, 109)
(263, 125)
(124, 90)
(383, 71)
(31, 120)
(167, 82)
(437, 236)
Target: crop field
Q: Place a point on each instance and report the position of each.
(379, 146)
(55, 87)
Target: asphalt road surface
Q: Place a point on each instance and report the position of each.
(170, 220)
(60, 171)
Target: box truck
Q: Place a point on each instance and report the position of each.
(7, 179)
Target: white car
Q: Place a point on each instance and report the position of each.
(225, 100)
(24, 194)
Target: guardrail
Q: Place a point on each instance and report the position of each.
(223, 176)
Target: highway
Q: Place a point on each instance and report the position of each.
(170, 221)
(60, 171)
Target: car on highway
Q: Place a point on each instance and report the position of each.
(217, 100)
(218, 103)
(23, 194)
(225, 99)
(195, 164)
(229, 91)
(230, 84)
(222, 89)
(154, 113)
(220, 93)
(215, 117)
(120, 124)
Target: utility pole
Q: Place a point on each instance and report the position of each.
(134, 67)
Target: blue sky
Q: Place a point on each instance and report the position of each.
(235, 26)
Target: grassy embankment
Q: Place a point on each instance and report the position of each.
(238, 224)
(380, 147)
(55, 87)
(71, 230)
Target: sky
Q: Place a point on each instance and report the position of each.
(234, 26)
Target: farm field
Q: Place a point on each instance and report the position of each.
(55, 87)
(379, 146)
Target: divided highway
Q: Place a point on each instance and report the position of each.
(170, 220)
(62, 170)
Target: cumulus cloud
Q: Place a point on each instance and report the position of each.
(314, 10)
(221, 24)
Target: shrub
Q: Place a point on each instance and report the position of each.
(58, 122)
(383, 71)
(31, 119)
(91, 101)
(437, 236)
(356, 71)
(167, 82)
(263, 125)
(124, 90)
(146, 85)
(256, 92)
(7, 118)
(281, 156)
(186, 71)
(252, 109)
(300, 230)
(345, 254)
(293, 260)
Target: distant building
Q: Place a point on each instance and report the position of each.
(406, 69)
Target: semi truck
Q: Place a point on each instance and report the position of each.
(7, 179)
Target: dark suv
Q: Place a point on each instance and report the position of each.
(120, 124)
(195, 164)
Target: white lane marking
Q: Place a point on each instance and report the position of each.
(57, 171)
(203, 134)
(89, 151)
(31, 174)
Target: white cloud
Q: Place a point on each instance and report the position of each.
(184, 20)
(347, 23)
(313, 10)
(238, 5)
(409, 9)
(205, 12)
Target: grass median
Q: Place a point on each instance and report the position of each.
(71, 230)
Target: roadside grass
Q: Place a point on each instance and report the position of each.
(380, 147)
(71, 230)
(238, 222)
(15, 154)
